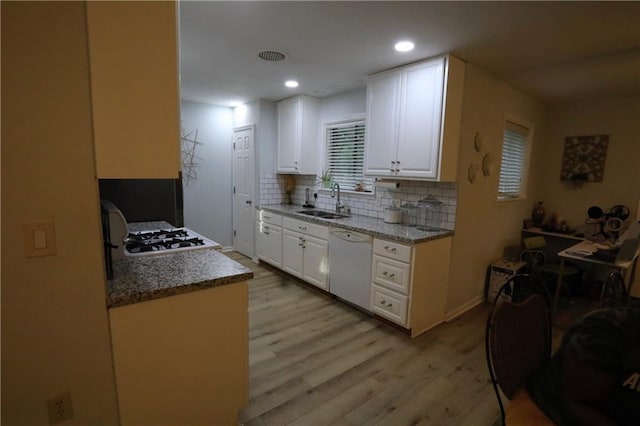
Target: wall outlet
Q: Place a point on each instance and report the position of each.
(60, 408)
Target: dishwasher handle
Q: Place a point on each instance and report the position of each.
(350, 236)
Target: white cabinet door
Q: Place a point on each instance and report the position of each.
(298, 141)
(269, 243)
(405, 120)
(289, 133)
(420, 120)
(383, 97)
(316, 261)
(292, 252)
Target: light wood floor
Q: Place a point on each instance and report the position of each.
(315, 361)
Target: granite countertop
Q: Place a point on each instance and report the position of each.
(365, 224)
(138, 279)
(141, 278)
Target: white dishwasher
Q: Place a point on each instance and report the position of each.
(350, 266)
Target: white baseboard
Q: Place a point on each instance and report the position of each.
(463, 308)
(230, 248)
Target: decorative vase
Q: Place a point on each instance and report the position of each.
(537, 214)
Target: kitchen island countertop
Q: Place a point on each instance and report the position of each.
(141, 278)
(369, 225)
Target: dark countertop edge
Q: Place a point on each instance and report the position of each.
(115, 301)
(337, 224)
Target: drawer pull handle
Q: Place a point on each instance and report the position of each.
(266, 217)
(389, 305)
(391, 249)
(302, 228)
(383, 302)
(265, 227)
(385, 273)
(391, 170)
(392, 276)
(266, 233)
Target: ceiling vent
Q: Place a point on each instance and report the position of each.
(272, 55)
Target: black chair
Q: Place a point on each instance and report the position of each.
(535, 255)
(614, 292)
(517, 343)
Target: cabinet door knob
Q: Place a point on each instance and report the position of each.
(393, 162)
(397, 170)
(391, 170)
(249, 202)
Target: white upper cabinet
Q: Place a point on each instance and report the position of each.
(413, 120)
(298, 144)
(133, 57)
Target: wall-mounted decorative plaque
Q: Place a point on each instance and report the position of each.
(584, 158)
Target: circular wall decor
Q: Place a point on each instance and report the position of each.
(472, 172)
(487, 164)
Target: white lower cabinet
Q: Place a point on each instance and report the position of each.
(390, 275)
(305, 251)
(409, 282)
(269, 237)
(389, 304)
(292, 252)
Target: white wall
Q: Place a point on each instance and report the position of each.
(55, 332)
(618, 118)
(483, 226)
(207, 199)
(342, 105)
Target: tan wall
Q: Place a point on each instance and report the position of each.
(484, 227)
(55, 333)
(621, 182)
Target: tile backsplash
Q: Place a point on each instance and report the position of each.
(372, 205)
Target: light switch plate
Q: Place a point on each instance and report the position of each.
(39, 239)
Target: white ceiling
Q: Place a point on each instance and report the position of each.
(555, 51)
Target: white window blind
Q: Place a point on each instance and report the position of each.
(345, 155)
(514, 160)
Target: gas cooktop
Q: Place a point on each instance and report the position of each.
(160, 241)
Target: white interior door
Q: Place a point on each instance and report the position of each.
(243, 189)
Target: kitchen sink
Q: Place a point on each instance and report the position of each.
(322, 214)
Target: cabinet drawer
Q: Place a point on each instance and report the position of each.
(390, 273)
(308, 228)
(389, 304)
(269, 217)
(391, 250)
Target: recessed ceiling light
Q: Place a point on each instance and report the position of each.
(404, 46)
(291, 83)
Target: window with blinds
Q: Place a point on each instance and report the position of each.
(514, 161)
(345, 155)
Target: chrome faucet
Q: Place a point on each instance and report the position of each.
(339, 206)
